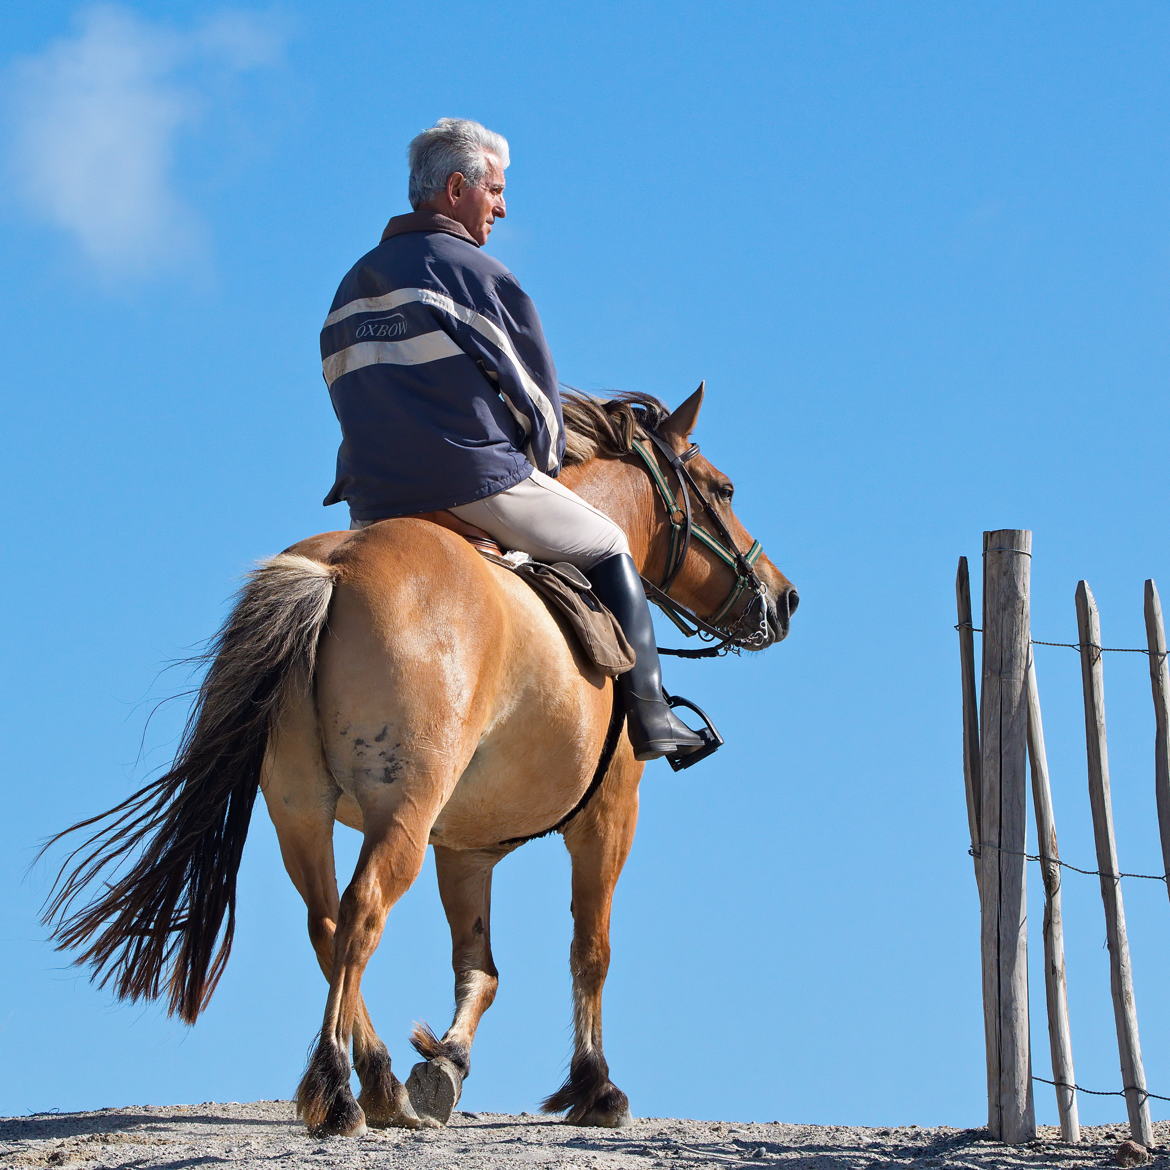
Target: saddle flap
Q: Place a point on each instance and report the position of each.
(570, 574)
(597, 631)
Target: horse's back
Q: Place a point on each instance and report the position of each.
(443, 672)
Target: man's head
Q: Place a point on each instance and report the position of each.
(457, 168)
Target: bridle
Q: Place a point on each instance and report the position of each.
(749, 631)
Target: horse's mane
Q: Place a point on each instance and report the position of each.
(606, 427)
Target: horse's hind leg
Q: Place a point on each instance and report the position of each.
(301, 798)
(308, 857)
(465, 886)
(598, 840)
(388, 864)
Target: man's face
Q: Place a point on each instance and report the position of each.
(478, 207)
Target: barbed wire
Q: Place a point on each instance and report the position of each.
(1144, 1093)
(977, 852)
(1078, 646)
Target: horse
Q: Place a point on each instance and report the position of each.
(397, 681)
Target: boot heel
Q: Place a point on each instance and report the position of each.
(709, 733)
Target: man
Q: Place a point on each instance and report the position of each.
(447, 397)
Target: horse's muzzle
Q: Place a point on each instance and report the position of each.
(781, 606)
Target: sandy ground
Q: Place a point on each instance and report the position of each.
(265, 1133)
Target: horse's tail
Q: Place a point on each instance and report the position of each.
(158, 929)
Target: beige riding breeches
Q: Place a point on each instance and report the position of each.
(546, 520)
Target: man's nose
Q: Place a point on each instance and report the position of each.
(501, 208)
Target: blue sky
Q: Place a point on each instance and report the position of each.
(920, 254)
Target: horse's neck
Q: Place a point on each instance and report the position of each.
(620, 490)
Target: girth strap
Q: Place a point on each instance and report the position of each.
(617, 721)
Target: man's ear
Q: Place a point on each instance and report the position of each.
(455, 184)
(682, 422)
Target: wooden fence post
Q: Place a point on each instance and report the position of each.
(1055, 983)
(1003, 811)
(1120, 971)
(1160, 684)
(970, 708)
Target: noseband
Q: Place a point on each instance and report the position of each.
(750, 630)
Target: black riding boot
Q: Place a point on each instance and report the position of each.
(653, 727)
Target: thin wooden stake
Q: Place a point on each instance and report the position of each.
(971, 778)
(1120, 970)
(1055, 983)
(1003, 816)
(1160, 684)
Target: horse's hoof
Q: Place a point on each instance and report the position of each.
(344, 1119)
(610, 1109)
(397, 1113)
(434, 1087)
(603, 1119)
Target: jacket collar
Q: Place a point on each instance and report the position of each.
(427, 221)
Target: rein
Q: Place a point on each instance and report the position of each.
(716, 537)
(684, 527)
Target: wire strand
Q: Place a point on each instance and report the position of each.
(1075, 645)
(977, 851)
(1144, 1093)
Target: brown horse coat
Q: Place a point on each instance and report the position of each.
(394, 680)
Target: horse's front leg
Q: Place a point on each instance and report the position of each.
(465, 886)
(599, 841)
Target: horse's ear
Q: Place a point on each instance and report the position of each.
(682, 422)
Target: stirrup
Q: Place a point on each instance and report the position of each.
(712, 740)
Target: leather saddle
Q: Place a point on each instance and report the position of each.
(476, 536)
(564, 588)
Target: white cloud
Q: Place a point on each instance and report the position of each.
(97, 119)
(241, 39)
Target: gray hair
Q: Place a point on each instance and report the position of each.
(450, 145)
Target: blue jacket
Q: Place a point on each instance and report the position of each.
(439, 375)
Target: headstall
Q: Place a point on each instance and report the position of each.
(750, 628)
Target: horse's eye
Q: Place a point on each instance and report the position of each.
(726, 491)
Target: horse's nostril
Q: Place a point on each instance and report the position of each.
(793, 601)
